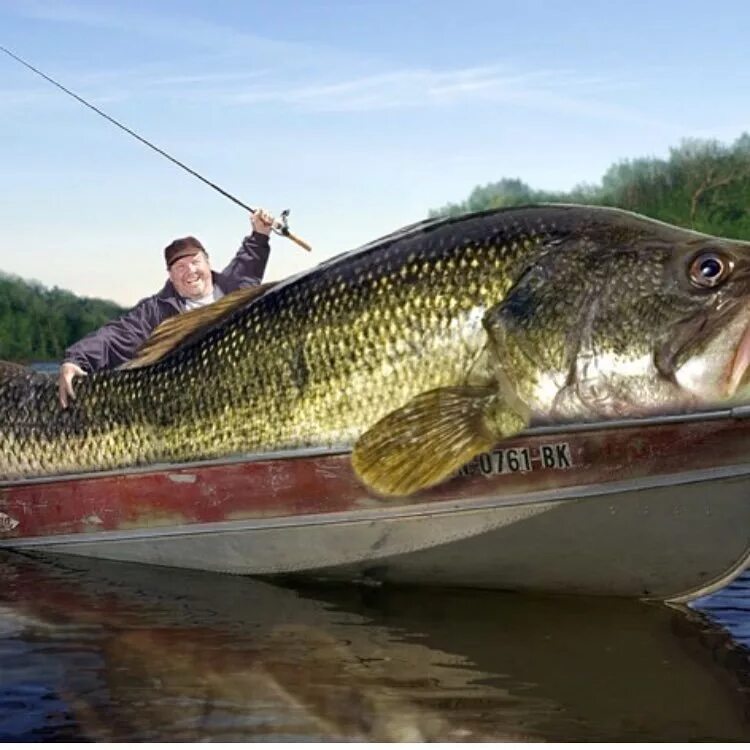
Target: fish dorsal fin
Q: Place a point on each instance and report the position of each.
(181, 329)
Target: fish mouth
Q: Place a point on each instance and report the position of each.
(709, 356)
(740, 363)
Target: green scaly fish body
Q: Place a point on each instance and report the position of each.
(426, 346)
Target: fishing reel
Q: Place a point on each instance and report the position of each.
(281, 226)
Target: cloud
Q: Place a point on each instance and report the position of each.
(188, 31)
(21, 98)
(386, 90)
(561, 92)
(237, 68)
(553, 91)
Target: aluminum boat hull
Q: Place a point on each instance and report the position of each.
(654, 508)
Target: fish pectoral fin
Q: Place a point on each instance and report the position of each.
(427, 439)
(179, 330)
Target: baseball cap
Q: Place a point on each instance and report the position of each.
(181, 248)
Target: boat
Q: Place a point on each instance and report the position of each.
(653, 508)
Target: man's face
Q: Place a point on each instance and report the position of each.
(191, 276)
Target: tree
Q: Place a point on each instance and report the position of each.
(703, 184)
(38, 324)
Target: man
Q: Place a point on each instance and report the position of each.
(191, 284)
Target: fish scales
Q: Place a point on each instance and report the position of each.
(311, 363)
(454, 329)
(318, 360)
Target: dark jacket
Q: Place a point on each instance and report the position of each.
(117, 341)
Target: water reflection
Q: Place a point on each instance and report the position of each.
(107, 651)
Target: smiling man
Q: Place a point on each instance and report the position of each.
(191, 284)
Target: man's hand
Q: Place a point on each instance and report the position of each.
(68, 370)
(262, 221)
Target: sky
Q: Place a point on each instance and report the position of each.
(359, 117)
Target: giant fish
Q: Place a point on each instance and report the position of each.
(417, 351)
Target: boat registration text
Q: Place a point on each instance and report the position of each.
(522, 458)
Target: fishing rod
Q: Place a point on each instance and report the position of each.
(281, 226)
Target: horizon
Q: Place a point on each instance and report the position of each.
(359, 118)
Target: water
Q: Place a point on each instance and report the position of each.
(51, 368)
(107, 651)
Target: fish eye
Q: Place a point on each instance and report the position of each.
(709, 269)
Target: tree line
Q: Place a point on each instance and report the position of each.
(37, 324)
(702, 185)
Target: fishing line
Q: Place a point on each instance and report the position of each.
(281, 227)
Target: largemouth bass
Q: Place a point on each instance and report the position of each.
(419, 350)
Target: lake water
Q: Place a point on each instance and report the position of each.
(108, 651)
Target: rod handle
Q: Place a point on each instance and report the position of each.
(298, 240)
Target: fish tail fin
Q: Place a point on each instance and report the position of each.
(12, 369)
